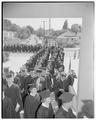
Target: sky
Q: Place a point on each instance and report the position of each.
(36, 23)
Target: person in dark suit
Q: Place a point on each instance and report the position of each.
(66, 111)
(8, 109)
(31, 103)
(45, 110)
(13, 92)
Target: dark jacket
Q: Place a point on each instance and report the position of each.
(31, 106)
(14, 94)
(44, 112)
(61, 113)
(8, 109)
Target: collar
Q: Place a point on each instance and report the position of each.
(64, 108)
(43, 104)
(9, 85)
(71, 109)
(32, 94)
(74, 112)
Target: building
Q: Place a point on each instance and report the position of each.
(50, 41)
(68, 37)
(8, 35)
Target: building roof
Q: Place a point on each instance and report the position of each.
(67, 34)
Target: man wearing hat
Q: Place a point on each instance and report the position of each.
(69, 81)
(32, 102)
(45, 110)
(66, 110)
(13, 92)
(48, 80)
(25, 79)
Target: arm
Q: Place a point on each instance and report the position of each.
(19, 99)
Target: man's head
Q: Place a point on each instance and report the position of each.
(45, 95)
(23, 71)
(47, 100)
(9, 77)
(33, 89)
(73, 74)
(11, 72)
(61, 68)
(66, 98)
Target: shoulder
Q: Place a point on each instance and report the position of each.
(27, 99)
(15, 86)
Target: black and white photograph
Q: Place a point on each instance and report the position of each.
(47, 60)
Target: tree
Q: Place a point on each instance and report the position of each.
(76, 28)
(65, 26)
(24, 33)
(6, 24)
(30, 28)
(40, 32)
(14, 28)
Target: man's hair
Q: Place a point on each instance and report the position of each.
(8, 75)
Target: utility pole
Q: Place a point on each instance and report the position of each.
(44, 32)
(49, 25)
(44, 26)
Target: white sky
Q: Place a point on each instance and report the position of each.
(56, 23)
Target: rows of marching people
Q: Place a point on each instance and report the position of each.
(41, 89)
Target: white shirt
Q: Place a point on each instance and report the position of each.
(43, 104)
(67, 110)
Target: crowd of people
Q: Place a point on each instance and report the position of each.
(41, 89)
(22, 48)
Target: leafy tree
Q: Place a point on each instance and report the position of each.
(14, 28)
(6, 24)
(65, 26)
(24, 33)
(40, 32)
(30, 28)
(76, 28)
